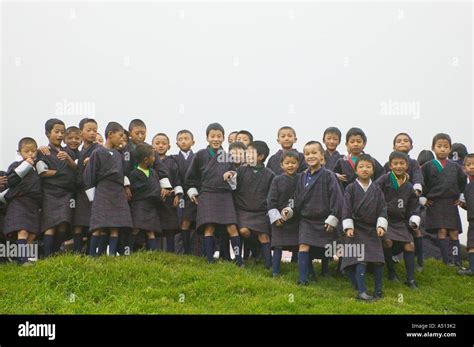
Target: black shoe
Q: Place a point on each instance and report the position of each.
(304, 283)
(364, 297)
(392, 276)
(411, 284)
(378, 295)
(466, 272)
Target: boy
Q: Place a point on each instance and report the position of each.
(403, 212)
(210, 189)
(245, 137)
(232, 137)
(318, 203)
(72, 140)
(22, 219)
(458, 153)
(345, 166)
(250, 197)
(57, 172)
(469, 206)
(332, 139)
(108, 189)
(364, 220)
(444, 182)
(286, 137)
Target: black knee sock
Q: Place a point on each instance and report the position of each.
(471, 261)
(409, 258)
(131, 242)
(294, 257)
(276, 260)
(48, 242)
(113, 243)
(360, 278)
(237, 248)
(170, 243)
(324, 265)
(267, 254)
(209, 248)
(303, 259)
(103, 240)
(456, 251)
(387, 253)
(378, 274)
(22, 250)
(310, 266)
(419, 250)
(78, 243)
(352, 275)
(444, 248)
(94, 243)
(151, 244)
(186, 236)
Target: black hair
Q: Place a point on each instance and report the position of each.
(112, 127)
(237, 145)
(72, 129)
(309, 143)
(425, 156)
(396, 136)
(289, 154)
(161, 134)
(398, 155)
(136, 123)
(458, 149)
(50, 123)
(142, 151)
(84, 121)
(233, 132)
(286, 127)
(440, 136)
(214, 126)
(26, 141)
(184, 131)
(245, 132)
(468, 156)
(365, 157)
(262, 149)
(355, 132)
(333, 130)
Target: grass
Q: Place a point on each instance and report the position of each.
(161, 283)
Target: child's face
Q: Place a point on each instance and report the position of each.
(149, 161)
(442, 149)
(289, 165)
(138, 135)
(364, 170)
(399, 166)
(286, 138)
(89, 132)
(245, 139)
(331, 141)
(73, 140)
(161, 145)
(99, 139)
(123, 141)
(116, 138)
(313, 155)
(28, 151)
(232, 137)
(355, 145)
(238, 155)
(215, 139)
(402, 144)
(56, 135)
(469, 166)
(251, 156)
(185, 142)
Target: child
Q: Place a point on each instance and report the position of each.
(364, 220)
(245, 137)
(469, 206)
(100, 139)
(210, 189)
(403, 215)
(444, 182)
(286, 137)
(168, 210)
(108, 190)
(280, 196)
(136, 135)
(318, 203)
(237, 151)
(331, 138)
(72, 140)
(458, 153)
(146, 196)
(345, 166)
(82, 211)
(232, 137)
(250, 197)
(22, 220)
(57, 172)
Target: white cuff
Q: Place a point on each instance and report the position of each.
(76, 161)
(347, 224)
(233, 181)
(90, 193)
(192, 192)
(165, 183)
(415, 220)
(23, 169)
(332, 221)
(2, 196)
(41, 167)
(290, 213)
(382, 223)
(418, 186)
(126, 181)
(178, 190)
(274, 215)
(422, 200)
(462, 198)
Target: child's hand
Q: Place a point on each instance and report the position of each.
(30, 161)
(417, 193)
(44, 150)
(279, 222)
(164, 193)
(342, 178)
(285, 213)
(460, 203)
(63, 156)
(329, 228)
(128, 192)
(86, 161)
(194, 199)
(3, 180)
(176, 200)
(228, 175)
(350, 232)
(429, 203)
(380, 231)
(413, 226)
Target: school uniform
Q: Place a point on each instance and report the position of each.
(250, 198)
(168, 213)
(104, 182)
(280, 196)
(23, 198)
(414, 173)
(274, 162)
(184, 160)
(331, 159)
(364, 211)
(469, 199)
(3, 205)
(58, 190)
(346, 166)
(443, 185)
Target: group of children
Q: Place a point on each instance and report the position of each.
(121, 194)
